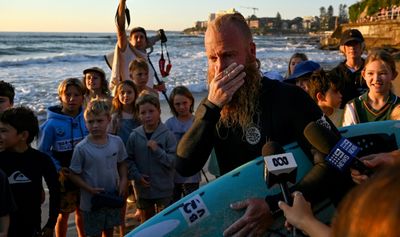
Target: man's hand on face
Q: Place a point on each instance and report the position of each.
(225, 84)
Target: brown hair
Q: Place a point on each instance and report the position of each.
(116, 104)
(372, 208)
(138, 29)
(184, 91)
(383, 56)
(71, 82)
(302, 56)
(138, 63)
(236, 19)
(320, 82)
(146, 97)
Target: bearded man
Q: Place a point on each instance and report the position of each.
(242, 111)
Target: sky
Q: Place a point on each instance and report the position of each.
(98, 15)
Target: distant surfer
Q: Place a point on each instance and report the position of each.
(242, 111)
(127, 50)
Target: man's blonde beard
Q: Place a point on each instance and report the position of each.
(240, 110)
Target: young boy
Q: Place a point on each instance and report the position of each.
(139, 73)
(302, 73)
(25, 168)
(7, 94)
(98, 165)
(63, 129)
(324, 90)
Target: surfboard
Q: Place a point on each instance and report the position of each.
(206, 212)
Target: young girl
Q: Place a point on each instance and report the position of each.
(295, 59)
(182, 108)
(378, 102)
(59, 134)
(124, 115)
(152, 152)
(124, 119)
(96, 85)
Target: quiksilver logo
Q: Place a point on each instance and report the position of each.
(18, 177)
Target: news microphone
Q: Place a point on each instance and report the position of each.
(280, 168)
(341, 152)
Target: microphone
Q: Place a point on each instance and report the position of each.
(280, 168)
(341, 152)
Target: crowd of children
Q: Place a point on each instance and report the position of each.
(93, 144)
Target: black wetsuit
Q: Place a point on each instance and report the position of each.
(352, 84)
(25, 172)
(285, 111)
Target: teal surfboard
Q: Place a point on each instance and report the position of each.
(206, 212)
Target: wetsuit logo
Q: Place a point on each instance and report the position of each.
(253, 135)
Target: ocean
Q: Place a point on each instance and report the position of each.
(35, 63)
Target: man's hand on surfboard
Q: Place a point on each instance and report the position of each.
(255, 221)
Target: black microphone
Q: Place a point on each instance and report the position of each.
(341, 152)
(280, 168)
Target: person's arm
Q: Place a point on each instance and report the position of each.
(51, 178)
(123, 178)
(166, 156)
(122, 40)
(301, 216)
(376, 161)
(349, 117)
(196, 144)
(4, 224)
(45, 142)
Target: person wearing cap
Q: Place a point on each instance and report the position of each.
(127, 50)
(349, 71)
(302, 74)
(96, 85)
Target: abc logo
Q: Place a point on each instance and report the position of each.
(280, 161)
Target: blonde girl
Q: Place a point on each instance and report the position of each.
(378, 102)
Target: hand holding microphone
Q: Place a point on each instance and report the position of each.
(280, 168)
(341, 153)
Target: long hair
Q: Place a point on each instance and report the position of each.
(183, 91)
(116, 103)
(383, 56)
(302, 56)
(373, 208)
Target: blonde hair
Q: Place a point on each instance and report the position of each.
(97, 107)
(71, 82)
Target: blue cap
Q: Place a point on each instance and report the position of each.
(304, 68)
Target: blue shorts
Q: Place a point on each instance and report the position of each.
(95, 222)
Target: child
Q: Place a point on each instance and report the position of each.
(295, 59)
(96, 85)
(25, 168)
(98, 165)
(123, 120)
(124, 117)
(152, 152)
(302, 72)
(59, 134)
(182, 108)
(378, 102)
(7, 94)
(139, 73)
(7, 204)
(324, 90)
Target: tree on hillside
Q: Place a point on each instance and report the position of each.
(278, 21)
(343, 16)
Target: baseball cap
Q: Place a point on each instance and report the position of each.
(303, 68)
(351, 35)
(95, 69)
